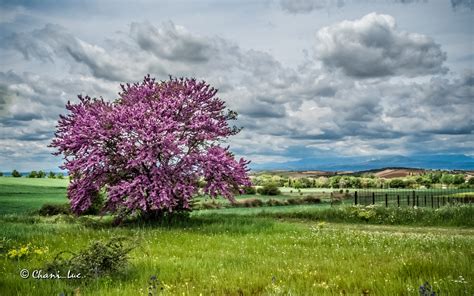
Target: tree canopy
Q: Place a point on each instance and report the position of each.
(149, 149)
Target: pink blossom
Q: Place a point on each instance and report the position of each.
(149, 148)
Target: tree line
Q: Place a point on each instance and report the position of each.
(428, 180)
(37, 174)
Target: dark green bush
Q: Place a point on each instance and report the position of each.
(249, 190)
(249, 203)
(97, 204)
(275, 202)
(269, 189)
(54, 209)
(310, 199)
(98, 259)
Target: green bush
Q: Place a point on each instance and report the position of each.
(54, 209)
(275, 202)
(269, 189)
(250, 203)
(452, 215)
(249, 190)
(97, 204)
(98, 259)
(16, 174)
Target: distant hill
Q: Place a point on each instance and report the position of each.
(332, 164)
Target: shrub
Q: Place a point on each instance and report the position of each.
(98, 259)
(310, 199)
(33, 174)
(250, 203)
(249, 190)
(54, 209)
(97, 204)
(210, 205)
(275, 202)
(16, 174)
(269, 189)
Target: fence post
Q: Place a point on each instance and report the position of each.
(444, 200)
(417, 200)
(386, 200)
(398, 200)
(432, 204)
(355, 197)
(425, 199)
(408, 200)
(413, 196)
(373, 198)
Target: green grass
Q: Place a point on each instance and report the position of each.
(284, 250)
(22, 195)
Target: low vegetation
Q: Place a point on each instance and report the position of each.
(287, 244)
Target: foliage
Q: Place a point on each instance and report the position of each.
(249, 190)
(149, 148)
(25, 251)
(33, 174)
(451, 215)
(51, 175)
(16, 174)
(98, 259)
(54, 209)
(397, 183)
(269, 189)
(217, 253)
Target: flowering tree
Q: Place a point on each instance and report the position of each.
(149, 149)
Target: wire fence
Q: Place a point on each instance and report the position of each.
(433, 198)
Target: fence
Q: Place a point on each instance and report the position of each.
(433, 198)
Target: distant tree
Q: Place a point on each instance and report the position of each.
(356, 182)
(1, 174)
(60, 176)
(435, 177)
(51, 175)
(269, 189)
(397, 183)
(249, 190)
(16, 174)
(41, 174)
(458, 179)
(470, 181)
(33, 174)
(334, 181)
(447, 179)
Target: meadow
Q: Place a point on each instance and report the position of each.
(286, 250)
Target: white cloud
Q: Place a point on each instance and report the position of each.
(373, 46)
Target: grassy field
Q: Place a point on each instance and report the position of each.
(287, 250)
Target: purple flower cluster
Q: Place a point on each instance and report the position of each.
(149, 148)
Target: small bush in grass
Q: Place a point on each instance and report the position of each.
(294, 201)
(275, 202)
(210, 205)
(310, 199)
(249, 190)
(54, 209)
(250, 203)
(269, 189)
(98, 259)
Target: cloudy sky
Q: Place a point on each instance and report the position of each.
(309, 78)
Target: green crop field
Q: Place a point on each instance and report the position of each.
(282, 250)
